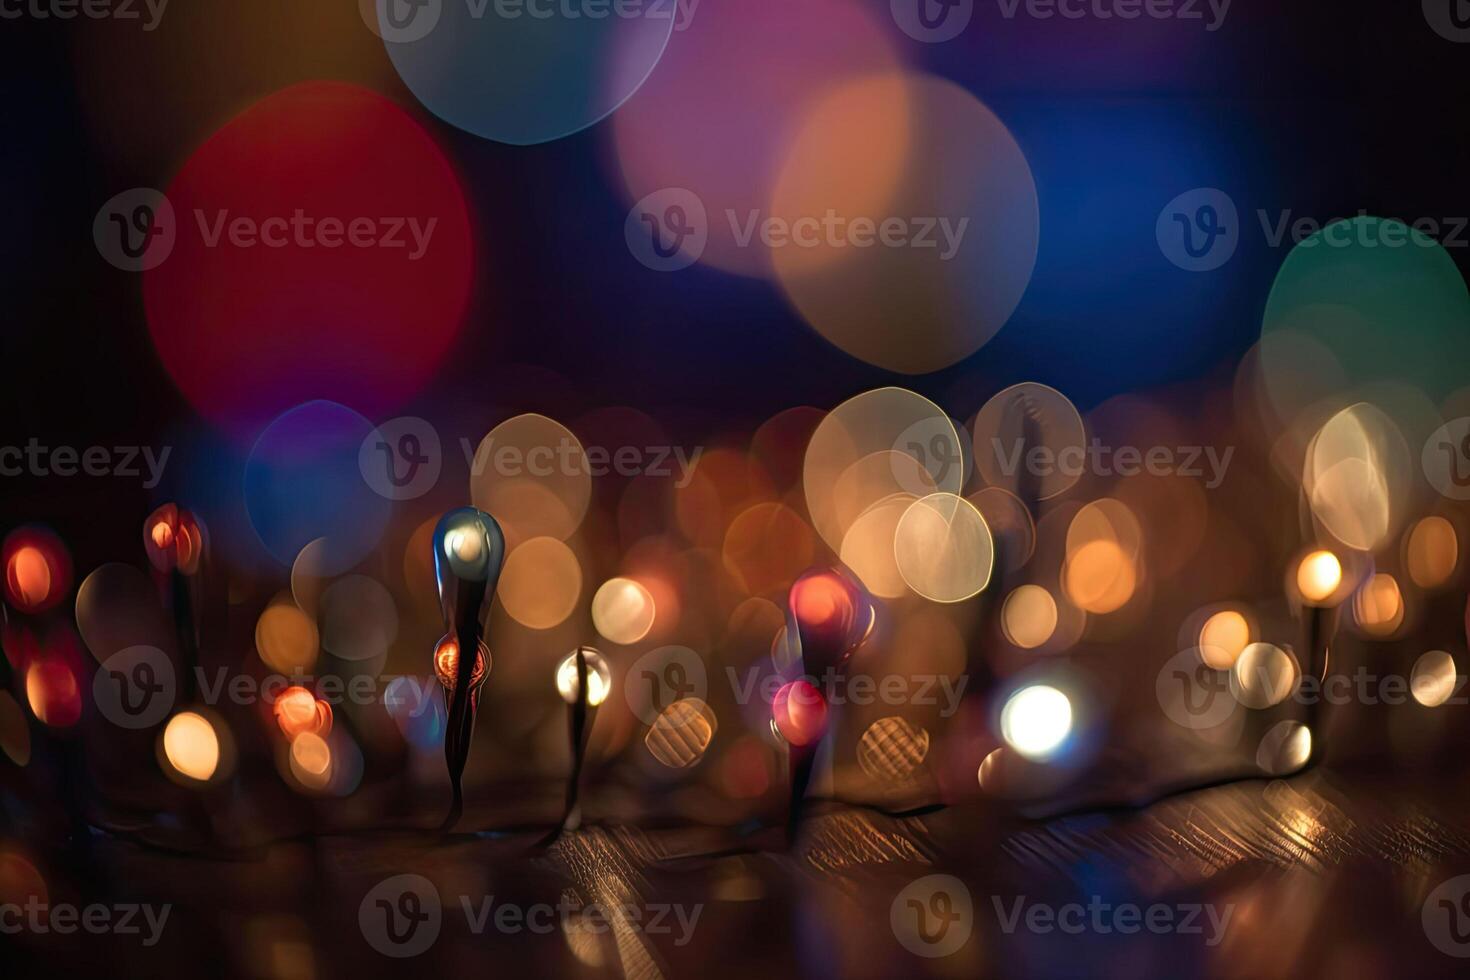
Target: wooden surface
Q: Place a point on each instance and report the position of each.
(1322, 876)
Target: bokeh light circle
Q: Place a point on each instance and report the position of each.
(525, 73)
(928, 220)
(302, 483)
(324, 251)
(622, 611)
(541, 583)
(943, 548)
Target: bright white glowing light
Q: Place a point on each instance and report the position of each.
(1036, 721)
(599, 678)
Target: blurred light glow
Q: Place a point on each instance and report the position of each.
(1318, 576)
(599, 678)
(1029, 616)
(871, 155)
(799, 713)
(333, 151)
(1036, 720)
(28, 577)
(1285, 748)
(1026, 422)
(1434, 678)
(1223, 638)
(873, 445)
(868, 547)
(943, 548)
(1263, 675)
(532, 473)
(541, 583)
(298, 711)
(286, 638)
(53, 692)
(446, 663)
(622, 611)
(1432, 552)
(523, 76)
(191, 746)
(1378, 605)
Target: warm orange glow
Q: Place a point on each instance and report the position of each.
(1433, 552)
(298, 712)
(29, 576)
(191, 746)
(1318, 576)
(446, 664)
(541, 583)
(1099, 577)
(163, 535)
(51, 689)
(1379, 606)
(1222, 639)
